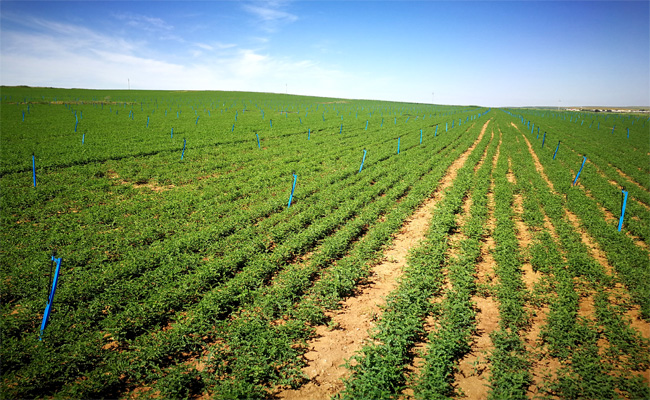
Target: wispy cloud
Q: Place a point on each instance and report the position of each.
(270, 15)
(144, 22)
(66, 55)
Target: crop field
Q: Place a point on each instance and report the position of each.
(250, 245)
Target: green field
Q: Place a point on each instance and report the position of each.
(186, 272)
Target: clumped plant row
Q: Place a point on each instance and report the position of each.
(186, 273)
(380, 370)
(588, 367)
(192, 276)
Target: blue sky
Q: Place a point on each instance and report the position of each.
(488, 53)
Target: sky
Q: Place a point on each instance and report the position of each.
(487, 53)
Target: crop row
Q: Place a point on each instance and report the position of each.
(379, 370)
(573, 339)
(189, 266)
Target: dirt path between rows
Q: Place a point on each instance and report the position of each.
(330, 348)
(586, 304)
(471, 378)
(629, 178)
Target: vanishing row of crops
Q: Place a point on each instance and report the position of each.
(185, 272)
(166, 259)
(569, 333)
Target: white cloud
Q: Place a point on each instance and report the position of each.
(144, 22)
(73, 56)
(269, 15)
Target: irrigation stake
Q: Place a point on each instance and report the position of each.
(557, 148)
(183, 153)
(584, 160)
(295, 178)
(620, 220)
(34, 168)
(362, 160)
(50, 299)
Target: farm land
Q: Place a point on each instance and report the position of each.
(250, 245)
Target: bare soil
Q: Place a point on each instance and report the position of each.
(471, 378)
(331, 347)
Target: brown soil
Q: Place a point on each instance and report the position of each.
(471, 377)
(330, 348)
(629, 178)
(156, 188)
(544, 366)
(529, 276)
(511, 176)
(480, 163)
(586, 304)
(610, 218)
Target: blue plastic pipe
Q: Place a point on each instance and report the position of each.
(50, 299)
(34, 169)
(584, 160)
(620, 221)
(362, 160)
(295, 178)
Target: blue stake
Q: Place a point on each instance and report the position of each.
(23, 115)
(366, 125)
(309, 134)
(420, 136)
(34, 169)
(183, 153)
(75, 125)
(258, 141)
(197, 121)
(584, 159)
(83, 138)
(147, 121)
(436, 134)
(50, 299)
(271, 122)
(363, 160)
(233, 128)
(398, 139)
(613, 127)
(543, 140)
(556, 149)
(172, 133)
(620, 221)
(341, 130)
(628, 132)
(295, 178)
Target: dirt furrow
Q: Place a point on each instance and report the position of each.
(544, 366)
(612, 219)
(629, 178)
(586, 303)
(331, 347)
(471, 377)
